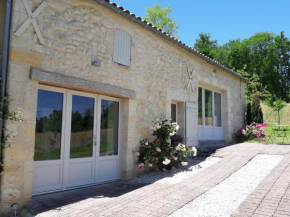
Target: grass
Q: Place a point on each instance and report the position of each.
(271, 116)
(276, 140)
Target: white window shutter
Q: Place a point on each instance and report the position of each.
(191, 112)
(122, 48)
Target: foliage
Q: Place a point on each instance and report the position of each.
(249, 132)
(264, 59)
(249, 119)
(205, 45)
(254, 86)
(161, 18)
(8, 115)
(277, 105)
(160, 151)
(256, 110)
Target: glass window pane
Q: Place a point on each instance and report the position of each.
(109, 128)
(48, 125)
(208, 108)
(82, 127)
(173, 113)
(218, 111)
(200, 106)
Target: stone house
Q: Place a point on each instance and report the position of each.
(89, 77)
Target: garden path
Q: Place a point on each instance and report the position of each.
(118, 199)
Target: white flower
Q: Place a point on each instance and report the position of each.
(150, 165)
(166, 161)
(178, 147)
(137, 154)
(146, 143)
(141, 165)
(176, 127)
(184, 163)
(194, 150)
(171, 134)
(158, 127)
(183, 148)
(158, 149)
(175, 158)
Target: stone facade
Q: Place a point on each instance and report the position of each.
(77, 32)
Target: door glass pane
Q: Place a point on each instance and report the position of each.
(48, 125)
(208, 108)
(109, 128)
(200, 106)
(218, 111)
(82, 127)
(173, 113)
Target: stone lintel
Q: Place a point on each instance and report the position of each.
(66, 81)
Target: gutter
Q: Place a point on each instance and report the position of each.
(132, 17)
(4, 66)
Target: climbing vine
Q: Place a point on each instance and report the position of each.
(7, 136)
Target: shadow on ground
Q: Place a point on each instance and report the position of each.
(42, 203)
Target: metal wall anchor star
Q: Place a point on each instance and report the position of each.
(31, 19)
(190, 79)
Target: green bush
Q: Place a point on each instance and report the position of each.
(160, 151)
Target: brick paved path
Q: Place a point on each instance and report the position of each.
(270, 198)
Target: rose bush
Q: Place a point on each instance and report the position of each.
(249, 132)
(160, 151)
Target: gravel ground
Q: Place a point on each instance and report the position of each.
(195, 165)
(224, 198)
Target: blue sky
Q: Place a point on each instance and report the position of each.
(223, 19)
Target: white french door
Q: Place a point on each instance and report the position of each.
(77, 140)
(209, 114)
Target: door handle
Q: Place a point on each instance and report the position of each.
(95, 139)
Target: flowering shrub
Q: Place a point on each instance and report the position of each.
(249, 132)
(160, 151)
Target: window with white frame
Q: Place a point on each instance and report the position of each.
(209, 108)
(122, 48)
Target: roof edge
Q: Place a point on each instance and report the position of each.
(132, 17)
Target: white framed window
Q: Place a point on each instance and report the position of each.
(122, 48)
(209, 108)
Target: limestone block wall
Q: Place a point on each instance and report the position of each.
(77, 32)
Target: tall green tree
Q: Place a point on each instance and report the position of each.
(263, 58)
(161, 18)
(277, 105)
(282, 64)
(205, 45)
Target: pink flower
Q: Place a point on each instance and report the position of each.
(141, 165)
(175, 158)
(150, 165)
(146, 143)
(243, 132)
(158, 149)
(137, 154)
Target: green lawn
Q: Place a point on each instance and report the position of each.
(269, 131)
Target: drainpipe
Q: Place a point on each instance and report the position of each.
(4, 66)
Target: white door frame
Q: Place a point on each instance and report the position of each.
(65, 160)
(203, 128)
(101, 159)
